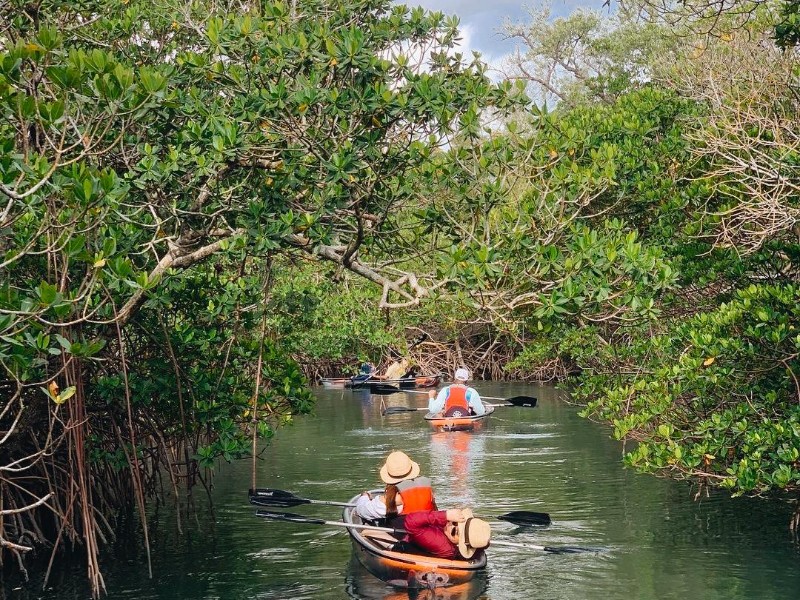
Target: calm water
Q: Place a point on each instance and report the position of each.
(657, 541)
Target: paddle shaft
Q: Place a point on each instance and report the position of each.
(414, 343)
(284, 499)
(426, 393)
(426, 408)
(518, 401)
(311, 521)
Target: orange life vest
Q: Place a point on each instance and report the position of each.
(456, 397)
(417, 495)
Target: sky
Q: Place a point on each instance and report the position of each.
(482, 20)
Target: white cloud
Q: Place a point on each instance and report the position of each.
(482, 20)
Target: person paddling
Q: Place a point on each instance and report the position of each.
(396, 370)
(405, 491)
(456, 400)
(453, 534)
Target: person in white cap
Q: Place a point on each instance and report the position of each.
(405, 491)
(456, 400)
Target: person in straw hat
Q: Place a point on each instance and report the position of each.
(453, 534)
(397, 369)
(405, 492)
(457, 399)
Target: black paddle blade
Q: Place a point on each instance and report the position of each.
(291, 517)
(382, 389)
(524, 401)
(270, 497)
(277, 502)
(525, 517)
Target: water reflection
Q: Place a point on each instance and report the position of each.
(360, 584)
(457, 456)
(661, 543)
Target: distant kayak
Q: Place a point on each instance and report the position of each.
(359, 382)
(335, 382)
(354, 381)
(404, 383)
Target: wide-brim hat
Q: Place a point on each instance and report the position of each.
(398, 467)
(473, 534)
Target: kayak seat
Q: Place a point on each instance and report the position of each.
(458, 411)
(384, 539)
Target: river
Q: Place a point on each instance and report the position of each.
(654, 540)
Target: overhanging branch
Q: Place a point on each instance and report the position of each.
(175, 258)
(406, 286)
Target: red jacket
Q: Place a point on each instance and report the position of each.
(426, 531)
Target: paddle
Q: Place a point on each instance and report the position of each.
(357, 380)
(411, 345)
(270, 497)
(383, 389)
(293, 518)
(284, 499)
(526, 517)
(390, 389)
(521, 401)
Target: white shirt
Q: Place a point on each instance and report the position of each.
(371, 508)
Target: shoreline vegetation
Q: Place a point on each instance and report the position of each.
(203, 208)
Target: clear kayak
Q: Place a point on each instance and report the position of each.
(460, 422)
(373, 549)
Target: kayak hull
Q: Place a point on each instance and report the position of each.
(404, 383)
(465, 423)
(360, 583)
(403, 570)
(335, 382)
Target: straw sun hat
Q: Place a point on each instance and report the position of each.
(398, 467)
(473, 534)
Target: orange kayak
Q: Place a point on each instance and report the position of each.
(404, 570)
(463, 423)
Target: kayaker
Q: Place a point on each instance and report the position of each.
(405, 491)
(453, 534)
(366, 370)
(457, 399)
(397, 369)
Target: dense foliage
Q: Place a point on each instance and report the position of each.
(196, 198)
(701, 176)
(645, 246)
(156, 164)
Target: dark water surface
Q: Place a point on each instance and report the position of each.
(657, 541)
